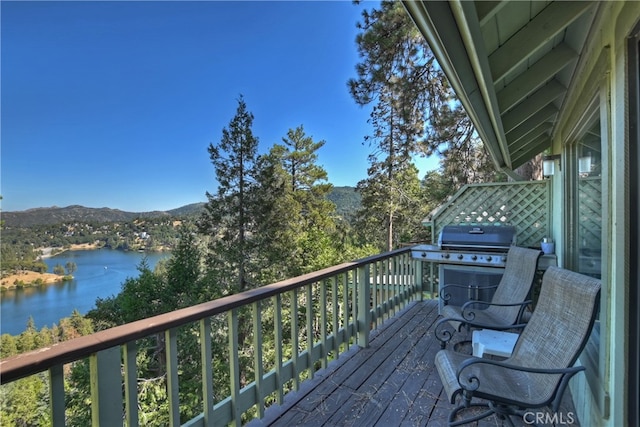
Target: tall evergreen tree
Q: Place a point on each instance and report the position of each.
(414, 112)
(310, 188)
(395, 75)
(297, 218)
(229, 216)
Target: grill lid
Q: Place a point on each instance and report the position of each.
(477, 237)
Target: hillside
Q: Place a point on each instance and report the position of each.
(347, 201)
(57, 215)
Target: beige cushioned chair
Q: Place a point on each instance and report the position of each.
(541, 364)
(507, 304)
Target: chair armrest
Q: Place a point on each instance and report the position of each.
(471, 383)
(444, 335)
(469, 315)
(446, 297)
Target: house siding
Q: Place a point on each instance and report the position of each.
(603, 70)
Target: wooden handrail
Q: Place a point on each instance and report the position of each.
(30, 363)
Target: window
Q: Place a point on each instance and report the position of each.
(588, 249)
(586, 210)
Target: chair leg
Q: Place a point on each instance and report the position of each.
(501, 412)
(453, 415)
(461, 345)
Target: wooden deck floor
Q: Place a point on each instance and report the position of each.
(391, 383)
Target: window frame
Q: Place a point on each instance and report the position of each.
(596, 354)
(633, 126)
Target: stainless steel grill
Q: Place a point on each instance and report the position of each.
(470, 245)
(474, 256)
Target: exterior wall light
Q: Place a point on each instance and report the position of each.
(584, 164)
(549, 164)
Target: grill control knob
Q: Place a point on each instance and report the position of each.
(489, 258)
(460, 256)
(424, 254)
(445, 256)
(474, 257)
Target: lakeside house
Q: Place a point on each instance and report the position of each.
(563, 78)
(535, 76)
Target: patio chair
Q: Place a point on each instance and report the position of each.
(506, 306)
(541, 365)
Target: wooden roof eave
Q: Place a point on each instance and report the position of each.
(451, 29)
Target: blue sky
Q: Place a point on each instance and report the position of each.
(113, 104)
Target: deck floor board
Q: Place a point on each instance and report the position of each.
(393, 382)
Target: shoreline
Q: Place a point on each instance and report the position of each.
(26, 278)
(47, 252)
(29, 279)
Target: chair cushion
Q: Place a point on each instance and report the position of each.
(494, 381)
(482, 317)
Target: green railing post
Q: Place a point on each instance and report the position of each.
(419, 279)
(258, 364)
(323, 324)
(56, 391)
(207, 371)
(277, 324)
(234, 367)
(337, 337)
(376, 300)
(363, 313)
(106, 387)
(171, 348)
(346, 311)
(130, 384)
(295, 348)
(309, 320)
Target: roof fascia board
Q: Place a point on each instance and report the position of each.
(466, 17)
(436, 22)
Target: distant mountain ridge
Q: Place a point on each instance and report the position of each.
(347, 201)
(75, 213)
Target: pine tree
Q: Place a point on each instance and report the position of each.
(297, 220)
(229, 217)
(414, 112)
(395, 75)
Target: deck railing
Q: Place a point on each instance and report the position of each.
(315, 317)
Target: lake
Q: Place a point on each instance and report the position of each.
(100, 274)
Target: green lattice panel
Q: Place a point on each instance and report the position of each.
(590, 212)
(524, 205)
